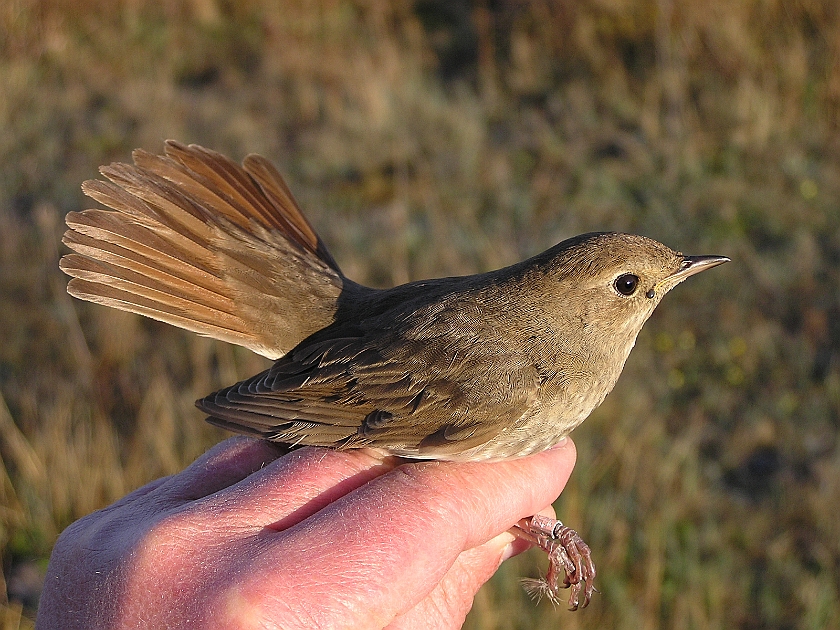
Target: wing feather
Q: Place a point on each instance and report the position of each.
(403, 389)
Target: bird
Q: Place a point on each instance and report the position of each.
(488, 366)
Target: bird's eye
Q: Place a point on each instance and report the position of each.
(626, 284)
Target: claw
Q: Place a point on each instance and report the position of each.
(568, 556)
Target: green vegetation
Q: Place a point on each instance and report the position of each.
(437, 138)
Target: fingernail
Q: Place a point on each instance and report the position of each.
(508, 552)
(507, 543)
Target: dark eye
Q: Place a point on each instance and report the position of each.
(626, 284)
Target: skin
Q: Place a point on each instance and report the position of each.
(250, 537)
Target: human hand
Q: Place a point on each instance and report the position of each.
(248, 536)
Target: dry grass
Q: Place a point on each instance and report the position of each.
(431, 138)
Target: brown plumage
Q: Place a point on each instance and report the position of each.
(488, 366)
(199, 242)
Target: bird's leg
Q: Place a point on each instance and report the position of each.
(568, 556)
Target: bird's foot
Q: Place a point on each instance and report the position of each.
(568, 556)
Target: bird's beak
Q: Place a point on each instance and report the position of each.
(695, 264)
(690, 265)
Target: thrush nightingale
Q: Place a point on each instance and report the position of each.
(481, 367)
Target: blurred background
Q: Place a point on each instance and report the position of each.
(431, 137)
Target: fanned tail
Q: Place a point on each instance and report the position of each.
(197, 241)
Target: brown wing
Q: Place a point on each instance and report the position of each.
(431, 386)
(197, 241)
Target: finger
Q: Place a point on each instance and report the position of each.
(450, 600)
(225, 464)
(399, 534)
(291, 488)
(139, 493)
(92, 527)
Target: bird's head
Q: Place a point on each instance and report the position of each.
(614, 281)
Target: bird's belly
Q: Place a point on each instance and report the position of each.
(545, 424)
(538, 430)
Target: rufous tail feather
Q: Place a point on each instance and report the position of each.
(195, 240)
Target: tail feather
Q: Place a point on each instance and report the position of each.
(106, 231)
(152, 284)
(109, 295)
(195, 240)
